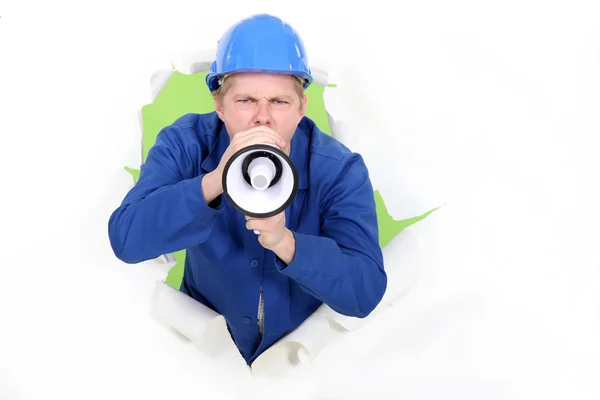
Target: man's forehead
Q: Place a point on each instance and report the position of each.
(266, 85)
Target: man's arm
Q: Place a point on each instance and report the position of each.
(343, 267)
(168, 209)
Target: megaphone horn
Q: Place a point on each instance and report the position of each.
(260, 181)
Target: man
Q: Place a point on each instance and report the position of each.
(323, 248)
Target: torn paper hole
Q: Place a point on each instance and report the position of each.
(207, 330)
(195, 61)
(158, 81)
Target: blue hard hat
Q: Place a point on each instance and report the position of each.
(261, 43)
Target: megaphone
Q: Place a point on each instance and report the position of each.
(260, 181)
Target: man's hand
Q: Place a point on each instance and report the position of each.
(274, 235)
(272, 230)
(212, 184)
(257, 135)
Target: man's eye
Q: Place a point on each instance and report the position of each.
(280, 102)
(244, 101)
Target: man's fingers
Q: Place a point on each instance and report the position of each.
(259, 128)
(260, 223)
(254, 131)
(258, 135)
(256, 224)
(261, 138)
(258, 140)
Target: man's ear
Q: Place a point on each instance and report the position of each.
(303, 107)
(218, 108)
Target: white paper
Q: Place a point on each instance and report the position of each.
(192, 62)
(158, 81)
(201, 325)
(168, 259)
(300, 346)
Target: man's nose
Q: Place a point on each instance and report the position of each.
(263, 115)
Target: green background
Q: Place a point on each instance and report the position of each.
(184, 94)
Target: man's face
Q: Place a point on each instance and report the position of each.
(262, 99)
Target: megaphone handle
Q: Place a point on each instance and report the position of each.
(257, 232)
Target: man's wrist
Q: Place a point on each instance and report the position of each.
(211, 187)
(286, 249)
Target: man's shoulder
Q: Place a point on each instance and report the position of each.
(324, 147)
(199, 121)
(195, 127)
(332, 163)
(325, 151)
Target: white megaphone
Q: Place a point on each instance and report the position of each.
(260, 181)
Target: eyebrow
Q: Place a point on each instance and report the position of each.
(276, 97)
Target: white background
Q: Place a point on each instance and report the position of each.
(490, 107)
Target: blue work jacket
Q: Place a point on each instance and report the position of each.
(338, 260)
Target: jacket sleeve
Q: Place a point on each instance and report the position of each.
(343, 266)
(165, 211)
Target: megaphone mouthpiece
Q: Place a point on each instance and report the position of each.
(261, 172)
(266, 169)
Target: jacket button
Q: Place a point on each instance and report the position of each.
(254, 263)
(246, 320)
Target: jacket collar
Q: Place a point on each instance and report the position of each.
(299, 151)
